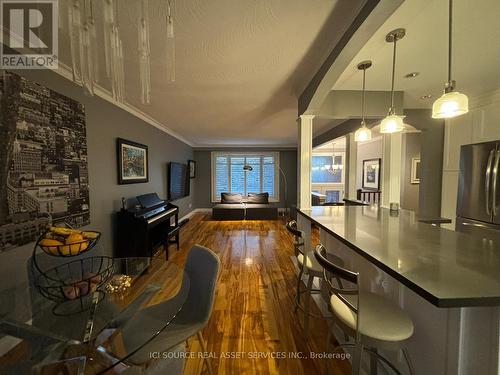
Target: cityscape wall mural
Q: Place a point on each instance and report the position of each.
(43, 161)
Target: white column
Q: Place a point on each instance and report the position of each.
(304, 155)
(391, 168)
(352, 160)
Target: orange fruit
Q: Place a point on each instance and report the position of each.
(50, 245)
(77, 243)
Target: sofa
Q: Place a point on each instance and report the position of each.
(255, 206)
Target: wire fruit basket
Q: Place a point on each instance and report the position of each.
(67, 242)
(72, 285)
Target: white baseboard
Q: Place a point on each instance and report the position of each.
(196, 211)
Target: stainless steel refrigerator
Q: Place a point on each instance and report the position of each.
(478, 206)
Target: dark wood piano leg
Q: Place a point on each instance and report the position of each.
(167, 244)
(177, 241)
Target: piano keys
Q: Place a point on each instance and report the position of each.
(144, 226)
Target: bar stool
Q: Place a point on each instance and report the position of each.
(373, 321)
(309, 266)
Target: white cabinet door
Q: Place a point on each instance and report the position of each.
(486, 122)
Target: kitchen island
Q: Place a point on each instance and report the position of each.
(448, 282)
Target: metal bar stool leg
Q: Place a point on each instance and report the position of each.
(307, 302)
(356, 361)
(408, 361)
(373, 363)
(299, 281)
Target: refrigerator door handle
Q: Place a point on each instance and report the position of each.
(487, 179)
(495, 178)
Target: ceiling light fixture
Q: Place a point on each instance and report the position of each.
(424, 97)
(393, 123)
(451, 103)
(412, 75)
(363, 133)
(170, 44)
(144, 49)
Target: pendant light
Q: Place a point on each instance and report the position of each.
(393, 123)
(363, 133)
(170, 40)
(451, 103)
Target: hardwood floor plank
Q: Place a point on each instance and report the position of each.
(253, 310)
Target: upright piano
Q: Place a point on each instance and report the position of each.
(143, 226)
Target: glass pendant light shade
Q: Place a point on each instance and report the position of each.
(363, 134)
(392, 124)
(450, 104)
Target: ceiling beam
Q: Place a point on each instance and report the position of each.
(373, 14)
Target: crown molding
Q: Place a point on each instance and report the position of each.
(202, 147)
(66, 72)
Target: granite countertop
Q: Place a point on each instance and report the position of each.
(447, 268)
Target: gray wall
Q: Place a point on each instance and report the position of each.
(409, 191)
(368, 150)
(106, 122)
(431, 160)
(288, 162)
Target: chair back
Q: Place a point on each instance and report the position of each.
(298, 236)
(202, 268)
(340, 274)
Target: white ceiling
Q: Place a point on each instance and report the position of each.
(476, 52)
(241, 64)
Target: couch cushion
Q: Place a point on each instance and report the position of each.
(231, 198)
(262, 198)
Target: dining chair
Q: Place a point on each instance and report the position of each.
(202, 269)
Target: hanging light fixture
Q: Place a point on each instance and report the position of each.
(363, 133)
(451, 103)
(144, 53)
(393, 123)
(74, 31)
(87, 58)
(170, 40)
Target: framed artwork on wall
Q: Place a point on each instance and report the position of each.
(44, 176)
(192, 168)
(371, 174)
(133, 163)
(415, 171)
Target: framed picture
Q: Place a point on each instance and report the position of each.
(415, 171)
(192, 168)
(133, 162)
(371, 174)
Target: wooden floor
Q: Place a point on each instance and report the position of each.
(253, 313)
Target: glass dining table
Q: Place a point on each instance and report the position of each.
(95, 334)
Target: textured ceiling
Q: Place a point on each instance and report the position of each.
(241, 64)
(424, 49)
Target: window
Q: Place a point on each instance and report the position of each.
(326, 169)
(228, 174)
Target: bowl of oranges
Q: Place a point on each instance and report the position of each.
(67, 242)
